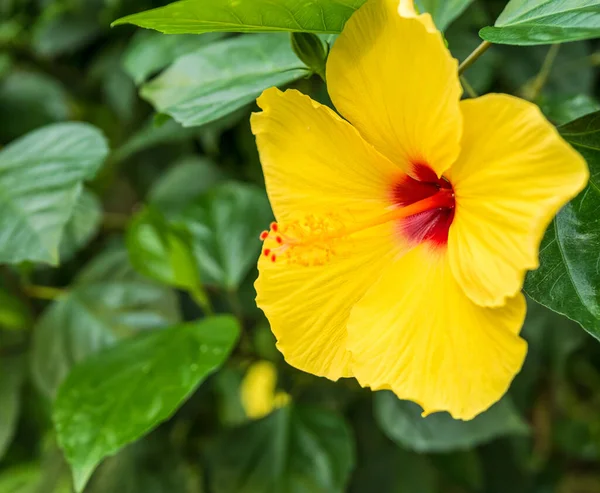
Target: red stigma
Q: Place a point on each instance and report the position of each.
(264, 235)
(279, 240)
(267, 252)
(432, 225)
(274, 227)
(273, 258)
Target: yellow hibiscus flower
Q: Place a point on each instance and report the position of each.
(404, 232)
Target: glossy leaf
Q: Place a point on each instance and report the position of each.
(439, 432)
(41, 178)
(222, 77)
(149, 378)
(184, 182)
(197, 16)
(443, 11)
(150, 52)
(161, 251)
(11, 380)
(82, 225)
(225, 224)
(568, 278)
(531, 22)
(293, 450)
(109, 300)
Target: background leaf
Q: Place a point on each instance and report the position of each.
(41, 178)
(216, 80)
(531, 22)
(225, 224)
(443, 11)
(150, 52)
(438, 432)
(568, 278)
(11, 380)
(149, 378)
(294, 449)
(192, 16)
(82, 225)
(161, 251)
(109, 300)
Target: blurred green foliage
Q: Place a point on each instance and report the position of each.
(131, 200)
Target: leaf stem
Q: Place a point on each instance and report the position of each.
(43, 292)
(477, 52)
(533, 91)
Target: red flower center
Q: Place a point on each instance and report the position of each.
(431, 225)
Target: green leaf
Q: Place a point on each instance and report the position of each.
(561, 110)
(11, 380)
(183, 182)
(443, 11)
(533, 22)
(32, 100)
(60, 34)
(82, 225)
(109, 300)
(150, 52)
(41, 177)
(402, 422)
(150, 465)
(568, 278)
(225, 224)
(222, 77)
(293, 450)
(122, 393)
(197, 16)
(162, 251)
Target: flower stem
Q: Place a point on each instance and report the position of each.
(468, 87)
(533, 91)
(477, 52)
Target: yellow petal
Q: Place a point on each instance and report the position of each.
(407, 9)
(397, 83)
(308, 306)
(415, 332)
(258, 389)
(314, 161)
(513, 175)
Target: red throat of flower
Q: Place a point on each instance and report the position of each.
(424, 209)
(431, 225)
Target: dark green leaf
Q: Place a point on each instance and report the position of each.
(569, 275)
(195, 16)
(225, 224)
(183, 182)
(150, 465)
(293, 450)
(162, 251)
(108, 300)
(32, 100)
(122, 393)
(438, 432)
(59, 34)
(222, 77)
(11, 380)
(41, 178)
(560, 110)
(150, 52)
(531, 22)
(443, 11)
(82, 225)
